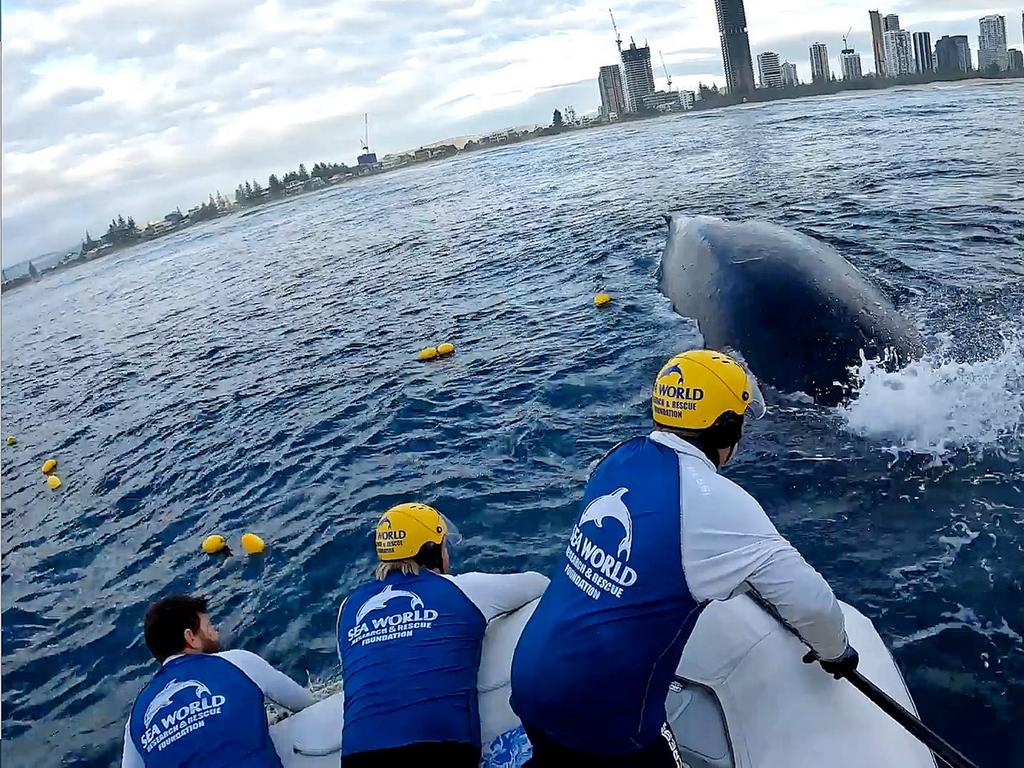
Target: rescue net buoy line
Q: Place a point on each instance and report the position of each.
(941, 748)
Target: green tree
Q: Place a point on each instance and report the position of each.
(248, 191)
(556, 119)
(275, 185)
(303, 174)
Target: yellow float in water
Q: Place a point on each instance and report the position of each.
(253, 544)
(214, 544)
(54, 482)
(49, 465)
(445, 349)
(428, 354)
(11, 439)
(601, 299)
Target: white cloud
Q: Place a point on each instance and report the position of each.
(135, 106)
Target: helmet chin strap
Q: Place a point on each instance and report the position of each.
(728, 457)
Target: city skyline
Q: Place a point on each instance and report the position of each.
(144, 105)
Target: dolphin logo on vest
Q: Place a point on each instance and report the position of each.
(381, 599)
(165, 698)
(612, 506)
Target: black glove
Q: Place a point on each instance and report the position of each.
(839, 667)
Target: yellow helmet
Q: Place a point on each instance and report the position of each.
(404, 529)
(694, 389)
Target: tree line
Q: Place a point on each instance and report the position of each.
(252, 192)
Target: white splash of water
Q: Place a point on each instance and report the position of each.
(938, 404)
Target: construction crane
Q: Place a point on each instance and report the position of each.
(366, 132)
(618, 37)
(846, 46)
(667, 75)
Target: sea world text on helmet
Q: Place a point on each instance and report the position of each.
(181, 722)
(670, 400)
(595, 571)
(388, 541)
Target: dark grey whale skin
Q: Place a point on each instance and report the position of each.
(798, 312)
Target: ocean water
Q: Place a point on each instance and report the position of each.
(258, 374)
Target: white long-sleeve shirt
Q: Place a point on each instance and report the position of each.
(276, 686)
(495, 594)
(729, 546)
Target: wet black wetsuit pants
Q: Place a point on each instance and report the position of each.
(547, 754)
(443, 754)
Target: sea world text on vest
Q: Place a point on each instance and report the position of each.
(392, 627)
(181, 722)
(597, 567)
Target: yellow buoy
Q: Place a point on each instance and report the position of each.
(601, 299)
(253, 544)
(54, 482)
(49, 465)
(214, 544)
(445, 349)
(428, 354)
(11, 439)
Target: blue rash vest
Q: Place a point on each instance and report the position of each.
(202, 710)
(410, 652)
(594, 663)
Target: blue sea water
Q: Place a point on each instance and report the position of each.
(258, 374)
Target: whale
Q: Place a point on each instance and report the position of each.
(611, 506)
(800, 315)
(380, 601)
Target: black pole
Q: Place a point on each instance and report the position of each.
(938, 745)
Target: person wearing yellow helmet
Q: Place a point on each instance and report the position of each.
(660, 533)
(410, 642)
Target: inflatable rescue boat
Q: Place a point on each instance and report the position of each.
(743, 698)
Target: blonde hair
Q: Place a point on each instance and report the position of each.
(407, 567)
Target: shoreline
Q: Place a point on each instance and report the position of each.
(760, 96)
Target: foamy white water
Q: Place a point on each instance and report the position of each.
(937, 404)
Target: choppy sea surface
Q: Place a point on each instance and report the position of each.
(259, 374)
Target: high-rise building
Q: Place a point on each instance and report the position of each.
(992, 42)
(899, 53)
(613, 97)
(819, 63)
(891, 23)
(636, 62)
(953, 55)
(790, 77)
(732, 28)
(876, 42)
(1015, 59)
(849, 59)
(769, 70)
(923, 53)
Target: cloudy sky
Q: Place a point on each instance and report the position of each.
(136, 106)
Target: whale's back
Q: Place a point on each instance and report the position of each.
(798, 312)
